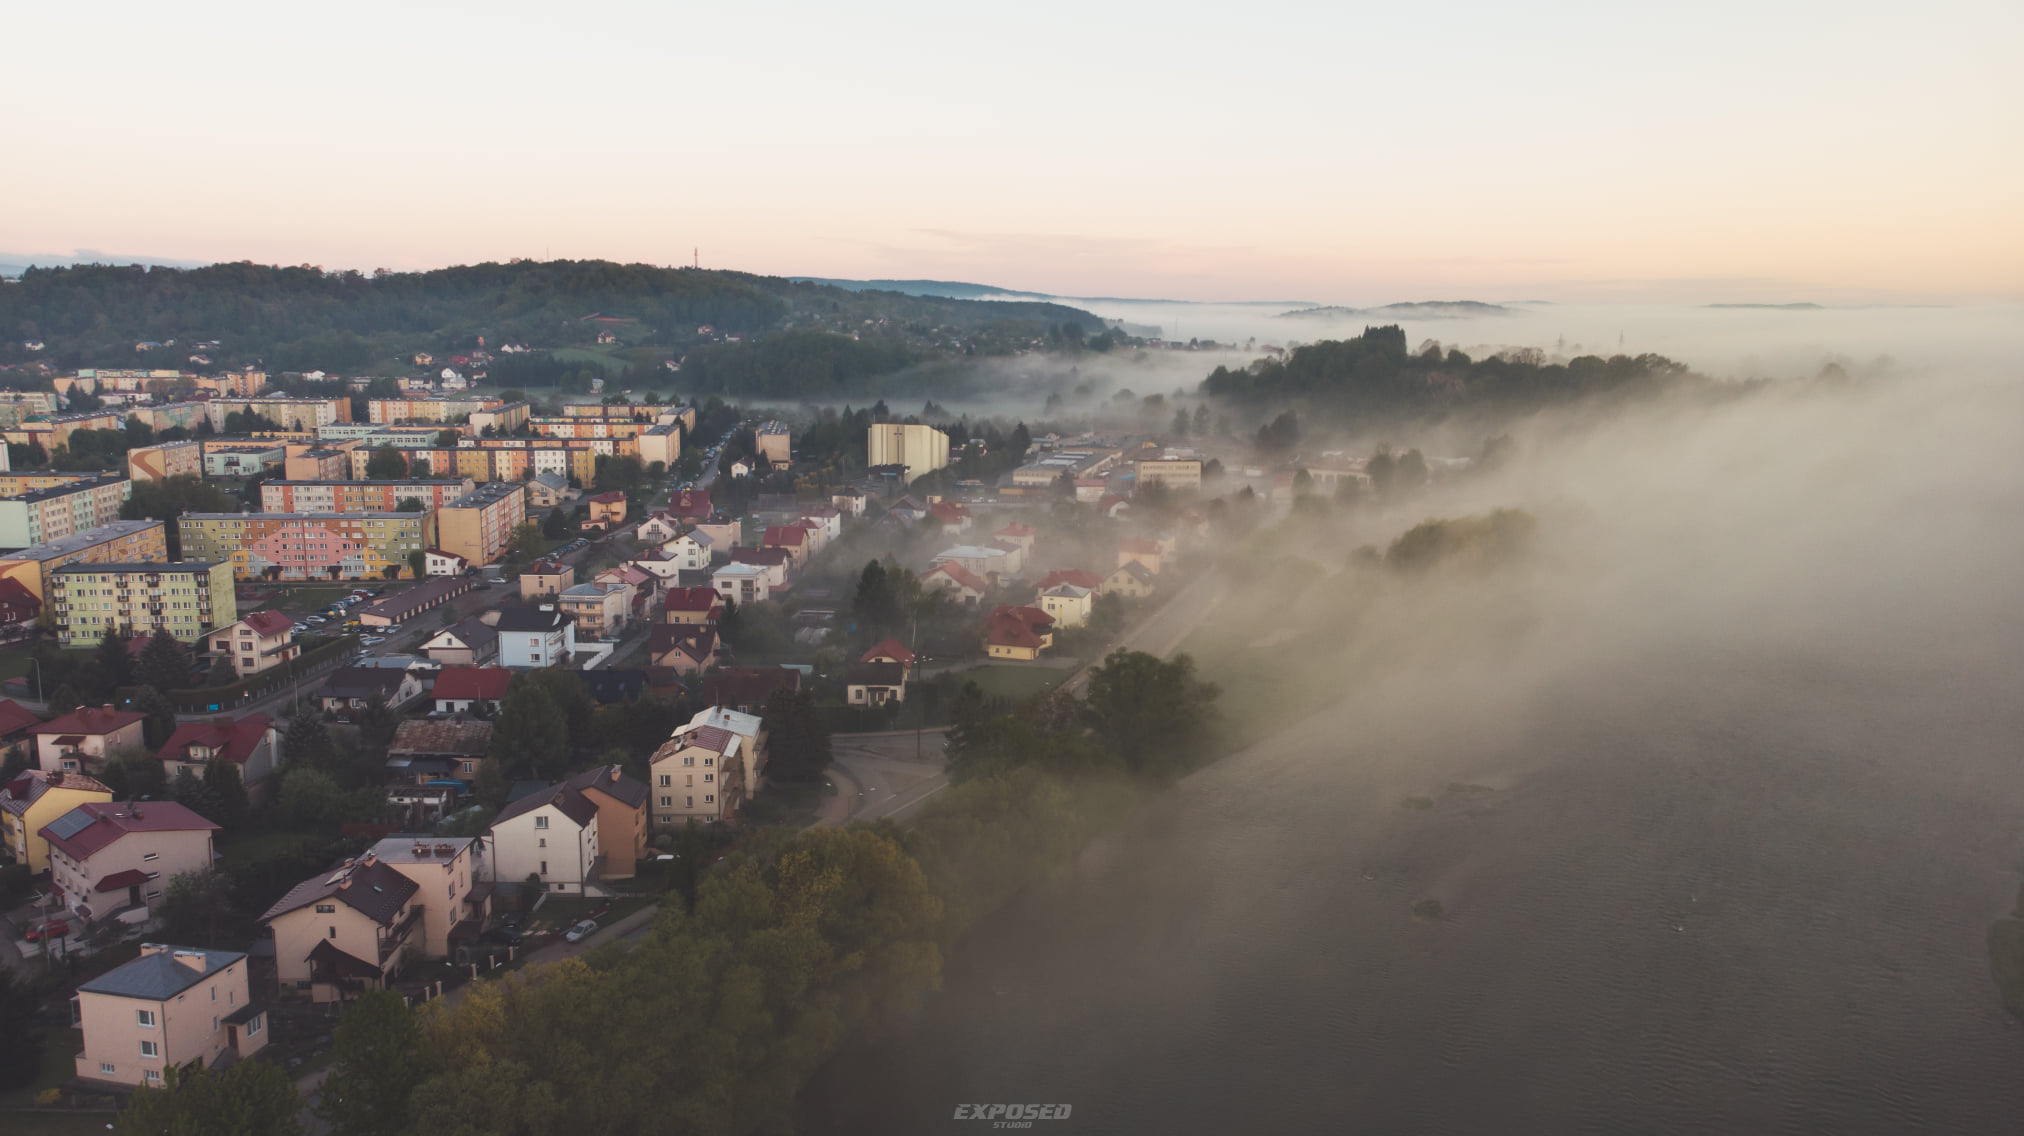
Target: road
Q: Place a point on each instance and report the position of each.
(1167, 628)
(883, 775)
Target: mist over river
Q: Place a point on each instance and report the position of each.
(1725, 789)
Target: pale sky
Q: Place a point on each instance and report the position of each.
(1341, 153)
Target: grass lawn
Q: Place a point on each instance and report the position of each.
(55, 1123)
(1016, 683)
(59, 1064)
(14, 662)
(258, 846)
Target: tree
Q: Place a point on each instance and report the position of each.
(377, 724)
(310, 798)
(386, 464)
(418, 563)
(490, 787)
(555, 526)
(200, 910)
(531, 738)
(224, 786)
(165, 663)
(63, 700)
(189, 791)
(447, 439)
(20, 1034)
(527, 542)
(307, 742)
(410, 505)
(797, 741)
(377, 1060)
(250, 1098)
(161, 715)
(113, 660)
(1150, 711)
(692, 848)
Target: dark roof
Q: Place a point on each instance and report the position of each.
(15, 718)
(421, 597)
(15, 594)
(473, 632)
(226, 737)
(425, 736)
(692, 599)
(28, 786)
(1136, 570)
(696, 640)
(372, 888)
(1080, 577)
(473, 682)
(759, 557)
(876, 674)
(690, 503)
(531, 619)
(748, 686)
(160, 974)
(570, 802)
(612, 782)
(346, 964)
(363, 682)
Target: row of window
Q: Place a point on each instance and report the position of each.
(688, 802)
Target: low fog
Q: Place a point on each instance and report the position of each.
(1715, 792)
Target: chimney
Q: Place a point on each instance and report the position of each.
(193, 959)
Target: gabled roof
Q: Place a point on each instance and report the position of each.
(713, 738)
(1014, 530)
(367, 885)
(702, 539)
(696, 640)
(611, 781)
(472, 682)
(948, 511)
(960, 575)
(268, 622)
(95, 824)
(161, 974)
(1080, 577)
(764, 557)
(16, 718)
(1136, 571)
(91, 721)
(1010, 626)
(611, 498)
(692, 599)
(472, 632)
(725, 718)
(30, 784)
(234, 740)
(748, 686)
(690, 503)
(887, 648)
(784, 536)
(1068, 591)
(553, 481)
(569, 802)
(435, 736)
(15, 594)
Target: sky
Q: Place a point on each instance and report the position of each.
(1348, 153)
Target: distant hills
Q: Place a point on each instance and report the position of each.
(1421, 310)
(1773, 307)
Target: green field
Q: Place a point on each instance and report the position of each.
(1015, 682)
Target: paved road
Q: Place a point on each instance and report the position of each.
(883, 775)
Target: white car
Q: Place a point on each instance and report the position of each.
(372, 640)
(496, 580)
(577, 932)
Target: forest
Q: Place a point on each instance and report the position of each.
(1375, 375)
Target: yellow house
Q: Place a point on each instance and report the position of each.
(1018, 633)
(34, 799)
(171, 1006)
(1068, 604)
(347, 930)
(1133, 581)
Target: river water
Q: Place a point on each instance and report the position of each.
(1724, 862)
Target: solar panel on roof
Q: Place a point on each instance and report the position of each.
(70, 823)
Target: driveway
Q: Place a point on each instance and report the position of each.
(883, 775)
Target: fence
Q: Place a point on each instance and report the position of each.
(213, 699)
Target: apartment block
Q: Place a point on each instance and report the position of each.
(357, 496)
(477, 525)
(72, 504)
(388, 411)
(773, 442)
(171, 415)
(661, 443)
(290, 413)
(584, 426)
(922, 449)
(242, 457)
(169, 459)
(186, 598)
(112, 542)
(309, 546)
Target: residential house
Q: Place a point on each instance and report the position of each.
(752, 754)
(826, 523)
(1080, 577)
(453, 899)
(791, 539)
(776, 562)
(607, 511)
(621, 818)
(875, 684)
(460, 690)
(262, 640)
(642, 588)
(349, 690)
(19, 609)
(32, 800)
(953, 516)
(470, 643)
(17, 728)
(547, 490)
(552, 835)
(723, 532)
(546, 578)
(251, 743)
(110, 858)
(1018, 632)
(1014, 561)
(436, 562)
(746, 689)
(435, 749)
(741, 584)
(1140, 549)
(697, 776)
(1067, 603)
(346, 930)
(1015, 535)
(690, 505)
(82, 740)
(599, 610)
(907, 510)
(851, 501)
(692, 549)
(961, 585)
(692, 605)
(889, 651)
(659, 528)
(1132, 580)
(686, 648)
(986, 562)
(536, 637)
(171, 1007)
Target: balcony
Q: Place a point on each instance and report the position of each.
(397, 936)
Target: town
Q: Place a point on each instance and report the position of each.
(316, 696)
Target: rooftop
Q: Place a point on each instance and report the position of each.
(165, 567)
(84, 830)
(78, 542)
(161, 973)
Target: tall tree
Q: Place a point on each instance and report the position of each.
(386, 464)
(223, 784)
(20, 1034)
(377, 1060)
(251, 1098)
(531, 738)
(165, 663)
(1150, 711)
(797, 736)
(113, 660)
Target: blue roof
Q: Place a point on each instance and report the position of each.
(162, 975)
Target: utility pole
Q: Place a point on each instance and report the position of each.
(915, 647)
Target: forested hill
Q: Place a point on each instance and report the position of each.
(305, 318)
(1374, 374)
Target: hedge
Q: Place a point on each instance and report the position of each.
(216, 699)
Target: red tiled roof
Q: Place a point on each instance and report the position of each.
(1015, 627)
(472, 682)
(759, 557)
(784, 536)
(1080, 577)
(233, 740)
(948, 511)
(14, 718)
(90, 721)
(1015, 529)
(692, 599)
(889, 649)
(713, 738)
(608, 498)
(269, 622)
(30, 784)
(690, 503)
(961, 575)
(111, 820)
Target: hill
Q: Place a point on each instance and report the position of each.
(1421, 310)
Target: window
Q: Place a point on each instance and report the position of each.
(214, 998)
(691, 802)
(709, 798)
(544, 867)
(667, 802)
(709, 777)
(688, 761)
(145, 1018)
(333, 932)
(152, 1075)
(666, 780)
(150, 1049)
(541, 822)
(105, 1067)
(541, 843)
(214, 1023)
(151, 857)
(256, 1025)
(326, 909)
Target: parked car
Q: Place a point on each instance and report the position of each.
(373, 640)
(496, 580)
(56, 928)
(576, 933)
